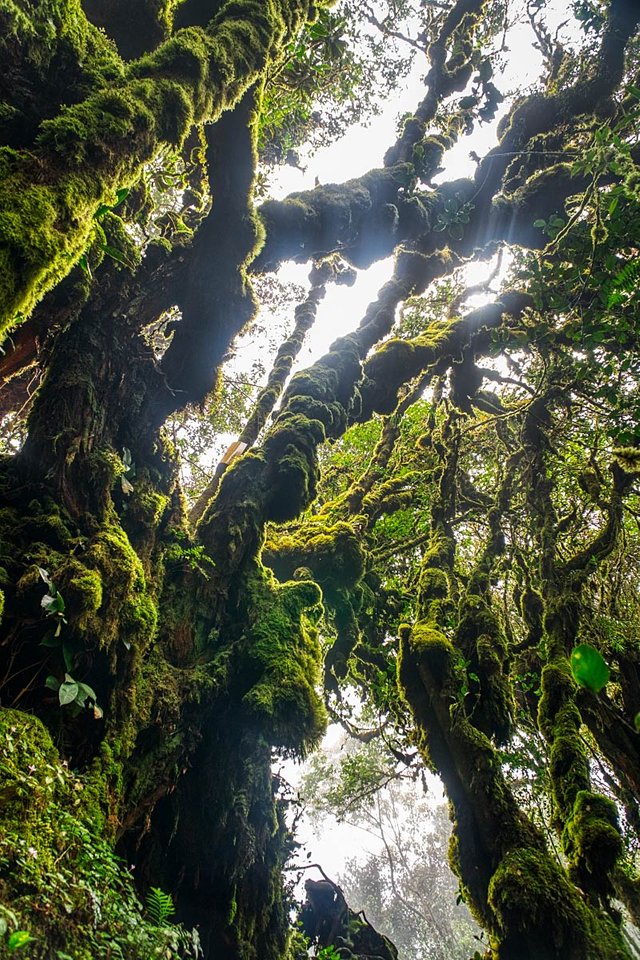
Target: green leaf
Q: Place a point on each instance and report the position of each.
(636, 722)
(18, 939)
(588, 667)
(83, 263)
(540, 223)
(159, 906)
(52, 602)
(85, 692)
(67, 693)
(51, 639)
(116, 254)
(67, 654)
(52, 683)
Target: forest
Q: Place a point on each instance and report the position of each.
(429, 534)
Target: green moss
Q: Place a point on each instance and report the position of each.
(93, 147)
(592, 841)
(81, 588)
(129, 603)
(293, 473)
(433, 583)
(333, 552)
(560, 721)
(482, 641)
(541, 915)
(283, 654)
(429, 646)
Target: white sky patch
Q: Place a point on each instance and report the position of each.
(333, 844)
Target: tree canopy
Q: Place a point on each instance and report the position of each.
(430, 535)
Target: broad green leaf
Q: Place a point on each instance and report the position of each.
(85, 692)
(116, 254)
(67, 693)
(52, 683)
(588, 667)
(51, 640)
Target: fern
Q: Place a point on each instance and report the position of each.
(159, 906)
(627, 278)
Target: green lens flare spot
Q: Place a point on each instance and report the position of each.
(588, 667)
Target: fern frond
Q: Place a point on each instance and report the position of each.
(159, 906)
(628, 277)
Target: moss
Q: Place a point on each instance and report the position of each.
(433, 583)
(591, 833)
(94, 147)
(81, 588)
(560, 721)
(431, 647)
(542, 916)
(283, 655)
(127, 597)
(333, 552)
(292, 473)
(592, 841)
(482, 641)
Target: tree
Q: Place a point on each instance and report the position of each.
(404, 885)
(473, 582)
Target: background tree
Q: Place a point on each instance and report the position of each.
(403, 882)
(473, 574)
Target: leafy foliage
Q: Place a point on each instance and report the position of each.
(159, 906)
